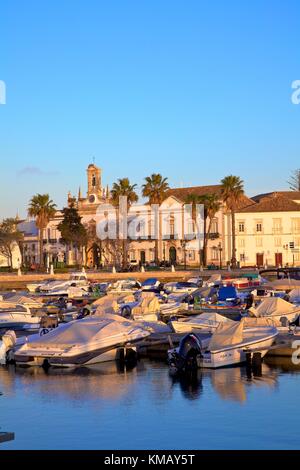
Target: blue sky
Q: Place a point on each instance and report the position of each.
(193, 89)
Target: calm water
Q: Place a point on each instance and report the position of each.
(102, 407)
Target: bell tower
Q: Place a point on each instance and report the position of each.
(94, 181)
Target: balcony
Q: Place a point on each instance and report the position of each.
(213, 235)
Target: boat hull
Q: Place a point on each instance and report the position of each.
(95, 356)
(230, 357)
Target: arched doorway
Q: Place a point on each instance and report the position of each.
(172, 255)
(142, 257)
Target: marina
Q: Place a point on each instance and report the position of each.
(97, 354)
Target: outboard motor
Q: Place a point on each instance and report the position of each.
(188, 354)
(7, 343)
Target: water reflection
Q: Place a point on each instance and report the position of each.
(110, 382)
(105, 381)
(189, 383)
(229, 383)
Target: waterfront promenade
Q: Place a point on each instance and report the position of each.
(13, 281)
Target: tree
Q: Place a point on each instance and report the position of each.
(73, 232)
(155, 189)
(232, 193)
(43, 209)
(123, 188)
(212, 205)
(9, 237)
(294, 181)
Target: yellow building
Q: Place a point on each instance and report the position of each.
(268, 230)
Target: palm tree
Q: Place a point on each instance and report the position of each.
(123, 188)
(212, 205)
(43, 209)
(155, 189)
(232, 193)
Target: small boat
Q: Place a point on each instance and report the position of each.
(81, 342)
(181, 287)
(176, 302)
(61, 287)
(246, 281)
(18, 317)
(124, 286)
(151, 284)
(35, 286)
(228, 303)
(278, 310)
(228, 346)
(206, 321)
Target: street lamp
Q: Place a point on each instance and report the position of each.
(220, 253)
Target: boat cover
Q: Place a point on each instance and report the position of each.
(273, 306)
(294, 295)
(210, 317)
(283, 284)
(149, 303)
(226, 334)
(228, 292)
(87, 330)
(215, 278)
(252, 322)
(23, 300)
(108, 304)
(205, 292)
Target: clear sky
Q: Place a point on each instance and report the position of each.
(193, 89)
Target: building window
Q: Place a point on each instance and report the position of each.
(241, 242)
(277, 227)
(214, 226)
(242, 257)
(296, 256)
(241, 227)
(258, 227)
(277, 241)
(296, 225)
(214, 254)
(192, 255)
(172, 226)
(259, 241)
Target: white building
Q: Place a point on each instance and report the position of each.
(268, 230)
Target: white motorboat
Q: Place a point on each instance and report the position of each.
(228, 346)
(145, 306)
(180, 287)
(278, 310)
(152, 284)
(208, 321)
(15, 298)
(35, 286)
(61, 287)
(81, 342)
(124, 286)
(175, 302)
(18, 317)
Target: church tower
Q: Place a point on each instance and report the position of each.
(94, 182)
